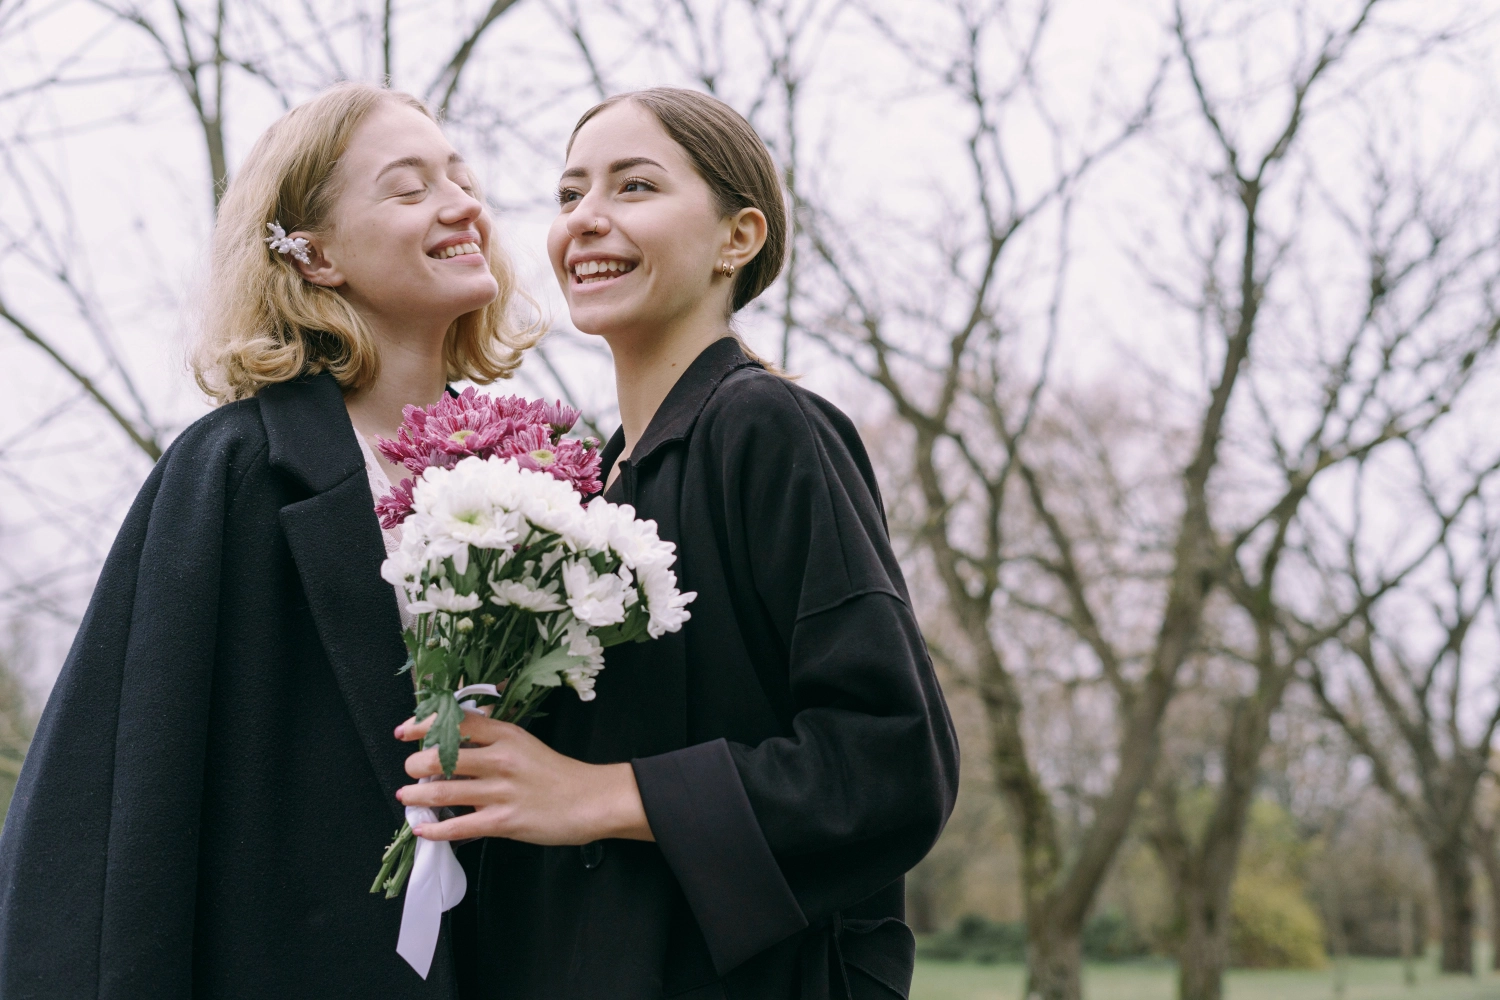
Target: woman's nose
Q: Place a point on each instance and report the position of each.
(461, 207)
(584, 220)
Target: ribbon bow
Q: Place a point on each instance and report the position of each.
(437, 883)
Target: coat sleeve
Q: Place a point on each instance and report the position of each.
(98, 858)
(770, 838)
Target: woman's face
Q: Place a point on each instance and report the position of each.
(409, 240)
(639, 234)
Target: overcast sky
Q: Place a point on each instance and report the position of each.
(118, 182)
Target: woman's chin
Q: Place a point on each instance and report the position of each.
(472, 296)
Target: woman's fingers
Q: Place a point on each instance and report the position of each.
(436, 794)
(458, 828)
(476, 728)
(411, 729)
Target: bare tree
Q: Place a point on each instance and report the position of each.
(966, 422)
(1365, 403)
(1012, 515)
(1411, 666)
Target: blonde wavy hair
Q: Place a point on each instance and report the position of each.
(264, 324)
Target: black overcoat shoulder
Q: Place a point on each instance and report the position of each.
(212, 782)
(793, 750)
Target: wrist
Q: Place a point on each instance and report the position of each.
(625, 814)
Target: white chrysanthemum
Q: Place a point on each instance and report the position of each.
(402, 567)
(667, 608)
(457, 509)
(580, 676)
(635, 542)
(439, 597)
(527, 595)
(595, 600)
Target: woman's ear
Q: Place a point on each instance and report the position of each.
(317, 269)
(747, 234)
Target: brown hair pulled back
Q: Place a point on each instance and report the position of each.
(731, 158)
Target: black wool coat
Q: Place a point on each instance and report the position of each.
(212, 783)
(791, 744)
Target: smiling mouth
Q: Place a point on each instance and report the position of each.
(593, 272)
(461, 250)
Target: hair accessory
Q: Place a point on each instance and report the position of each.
(726, 269)
(278, 241)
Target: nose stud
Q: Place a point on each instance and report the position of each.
(725, 268)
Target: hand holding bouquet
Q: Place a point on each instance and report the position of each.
(517, 586)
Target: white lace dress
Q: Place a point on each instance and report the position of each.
(380, 484)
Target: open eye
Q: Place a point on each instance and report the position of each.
(634, 185)
(566, 195)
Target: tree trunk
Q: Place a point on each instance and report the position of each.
(1054, 961)
(1455, 899)
(1485, 842)
(1204, 951)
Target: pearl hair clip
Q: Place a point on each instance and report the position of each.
(278, 241)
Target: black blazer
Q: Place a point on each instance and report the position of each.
(791, 744)
(211, 786)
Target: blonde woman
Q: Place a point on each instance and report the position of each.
(215, 769)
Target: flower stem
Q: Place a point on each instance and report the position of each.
(399, 856)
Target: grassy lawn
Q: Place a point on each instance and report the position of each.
(1368, 979)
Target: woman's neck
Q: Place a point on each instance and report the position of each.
(412, 372)
(646, 368)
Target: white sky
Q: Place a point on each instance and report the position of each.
(882, 145)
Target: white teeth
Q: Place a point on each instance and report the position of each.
(587, 269)
(462, 248)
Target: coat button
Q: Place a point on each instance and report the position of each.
(593, 854)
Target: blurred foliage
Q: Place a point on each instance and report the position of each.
(1274, 926)
(1107, 937)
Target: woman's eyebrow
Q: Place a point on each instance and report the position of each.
(619, 166)
(634, 161)
(414, 161)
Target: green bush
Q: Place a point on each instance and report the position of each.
(1110, 937)
(1273, 926)
(1107, 937)
(976, 939)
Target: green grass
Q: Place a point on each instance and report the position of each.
(1367, 979)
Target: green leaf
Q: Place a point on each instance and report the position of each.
(444, 733)
(431, 662)
(546, 671)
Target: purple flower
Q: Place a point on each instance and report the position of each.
(395, 506)
(471, 423)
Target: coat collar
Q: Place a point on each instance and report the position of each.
(309, 431)
(335, 541)
(674, 419)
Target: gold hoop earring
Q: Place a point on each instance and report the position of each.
(725, 268)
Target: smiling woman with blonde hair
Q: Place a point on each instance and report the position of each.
(215, 768)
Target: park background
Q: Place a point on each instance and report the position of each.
(1171, 329)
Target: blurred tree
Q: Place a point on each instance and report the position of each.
(1389, 375)
(1402, 683)
(1038, 507)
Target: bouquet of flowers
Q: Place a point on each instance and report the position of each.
(517, 585)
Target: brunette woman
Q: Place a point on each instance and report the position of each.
(732, 816)
(214, 776)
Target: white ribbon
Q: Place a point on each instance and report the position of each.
(436, 883)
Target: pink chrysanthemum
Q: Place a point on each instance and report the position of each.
(395, 506)
(455, 427)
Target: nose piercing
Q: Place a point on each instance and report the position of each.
(725, 268)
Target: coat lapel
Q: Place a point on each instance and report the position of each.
(336, 543)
